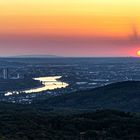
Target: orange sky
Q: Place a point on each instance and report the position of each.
(70, 27)
(69, 17)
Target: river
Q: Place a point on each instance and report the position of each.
(49, 83)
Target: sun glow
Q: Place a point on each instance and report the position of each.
(138, 53)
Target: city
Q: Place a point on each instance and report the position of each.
(79, 74)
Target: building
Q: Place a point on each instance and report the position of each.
(5, 73)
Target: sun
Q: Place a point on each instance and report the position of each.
(138, 53)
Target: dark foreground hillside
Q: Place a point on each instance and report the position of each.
(75, 116)
(122, 96)
(19, 123)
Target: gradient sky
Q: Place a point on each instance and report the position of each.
(70, 27)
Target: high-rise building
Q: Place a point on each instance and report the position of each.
(5, 73)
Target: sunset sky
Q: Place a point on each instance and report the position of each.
(70, 27)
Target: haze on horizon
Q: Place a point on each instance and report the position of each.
(70, 28)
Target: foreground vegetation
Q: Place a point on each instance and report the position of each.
(75, 117)
(23, 122)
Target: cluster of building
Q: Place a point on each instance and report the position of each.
(5, 75)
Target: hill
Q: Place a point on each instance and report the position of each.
(21, 122)
(35, 56)
(123, 96)
(73, 116)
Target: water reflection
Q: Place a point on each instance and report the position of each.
(49, 83)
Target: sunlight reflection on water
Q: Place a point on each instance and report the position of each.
(50, 83)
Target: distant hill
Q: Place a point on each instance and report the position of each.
(123, 96)
(35, 56)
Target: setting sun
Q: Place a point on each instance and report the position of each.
(138, 53)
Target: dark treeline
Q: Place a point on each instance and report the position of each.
(75, 117)
(24, 122)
